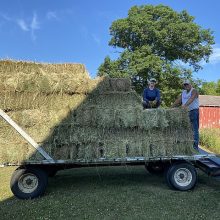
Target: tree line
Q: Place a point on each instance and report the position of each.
(210, 88)
(156, 41)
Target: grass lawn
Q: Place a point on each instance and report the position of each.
(112, 193)
(210, 139)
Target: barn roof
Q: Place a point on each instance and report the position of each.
(209, 100)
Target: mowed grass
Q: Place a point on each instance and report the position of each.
(112, 193)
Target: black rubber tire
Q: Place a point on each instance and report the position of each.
(167, 178)
(20, 173)
(155, 168)
(184, 169)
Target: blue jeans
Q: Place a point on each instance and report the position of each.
(194, 119)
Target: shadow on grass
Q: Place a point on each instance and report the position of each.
(106, 177)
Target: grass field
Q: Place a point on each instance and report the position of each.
(112, 193)
(210, 139)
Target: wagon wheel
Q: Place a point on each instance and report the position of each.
(28, 183)
(181, 176)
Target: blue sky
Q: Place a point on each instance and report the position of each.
(77, 31)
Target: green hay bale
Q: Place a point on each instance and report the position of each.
(103, 85)
(120, 84)
(130, 117)
(113, 99)
(84, 143)
(59, 139)
(113, 150)
(138, 141)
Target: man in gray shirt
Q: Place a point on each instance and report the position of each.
(190, 99)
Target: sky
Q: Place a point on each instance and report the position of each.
(77, 31)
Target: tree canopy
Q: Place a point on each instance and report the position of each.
(158, 42)
(210, 88)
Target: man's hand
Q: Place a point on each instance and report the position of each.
(153, 103)
(184, 106)
(177, 102)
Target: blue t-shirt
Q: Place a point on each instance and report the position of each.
(151, 95)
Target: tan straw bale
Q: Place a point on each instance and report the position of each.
(44, 78)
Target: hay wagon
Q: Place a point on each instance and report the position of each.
(30, 179)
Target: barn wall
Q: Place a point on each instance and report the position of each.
(209, 117)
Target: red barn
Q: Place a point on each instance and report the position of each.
(209, 111)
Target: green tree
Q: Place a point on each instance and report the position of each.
(218, 87)
(210, 88)
(154, 41)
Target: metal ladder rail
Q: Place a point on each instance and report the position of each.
(209, 167)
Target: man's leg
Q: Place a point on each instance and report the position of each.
(158, 103)
(194, 118)
(197, 128)
(146, 104)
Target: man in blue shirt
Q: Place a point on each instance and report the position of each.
(151, 95)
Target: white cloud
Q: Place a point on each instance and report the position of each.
(89, 36)
(215, 57)
(25, 24)
(30, 26)
(22, 24)
(5, 17)
(34, 25)
(58, 14)
(96, 39)
(52, 15)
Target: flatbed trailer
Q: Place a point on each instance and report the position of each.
(30, 179)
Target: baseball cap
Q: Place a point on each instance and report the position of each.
(186, 81)
(153, 80)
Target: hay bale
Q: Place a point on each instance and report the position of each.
(10, 101)
(120, 84)
(19, 76)
(14, 152)
(33, 77)
(60, 138)
(73, 118)
(102, 85)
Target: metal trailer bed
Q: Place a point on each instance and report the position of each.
(30, 179)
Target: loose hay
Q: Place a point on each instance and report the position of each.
(74, 117)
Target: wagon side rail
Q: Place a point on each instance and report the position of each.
(24, 134)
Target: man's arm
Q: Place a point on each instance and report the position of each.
(195, 95)
(145, 95)
(177, 102)
(158, 95)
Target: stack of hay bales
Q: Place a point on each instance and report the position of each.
(74, 117)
